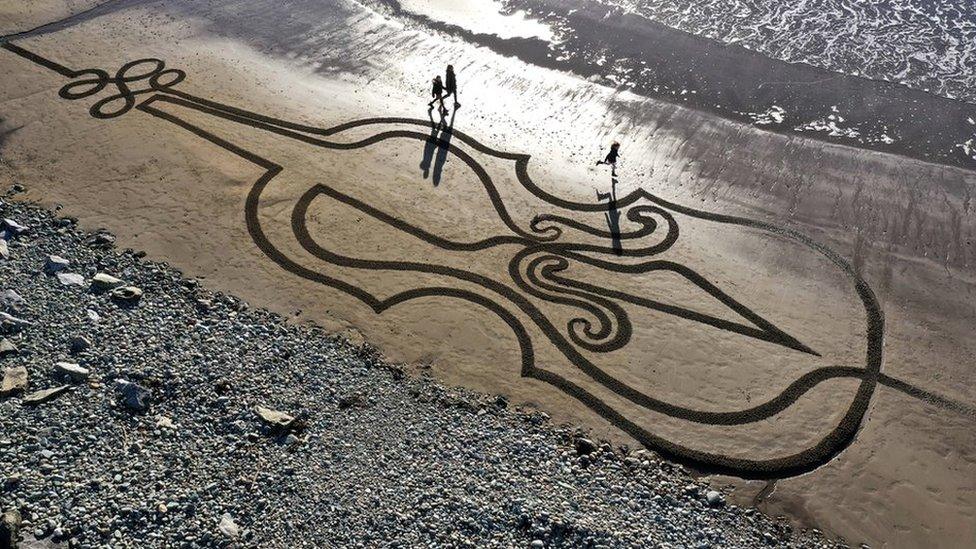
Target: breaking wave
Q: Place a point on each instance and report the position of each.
(925, 44)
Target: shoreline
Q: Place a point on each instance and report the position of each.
(734, 83)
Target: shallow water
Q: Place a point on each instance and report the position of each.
(925, 44)
(480, 16)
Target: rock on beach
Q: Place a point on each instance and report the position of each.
(44, 395)
(72, 370)
(14, 380)
(55, 264)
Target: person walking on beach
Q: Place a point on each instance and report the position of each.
(450, 84)
(611, 158)
(437, 90)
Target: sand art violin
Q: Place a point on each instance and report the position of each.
(593, 310)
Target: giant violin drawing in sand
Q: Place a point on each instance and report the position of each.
(542, 264)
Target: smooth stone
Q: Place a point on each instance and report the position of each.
(71, 279)
(228, 527)
(14, 380)
(102, 282)
(12, 481)
(72, 370)
(274, 418)
(40, 397)
(353, 400)
(4, 249)
(714, 498)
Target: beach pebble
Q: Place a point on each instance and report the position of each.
(55, 263)
(11, 301)
(10, 323)
(126, 294)
(14, 380)
(274, 418)
(102, 240)
(71, 370)
(11, 227)
(71, 279)
(228, 527)
(103, 282)
(585, 446)
(351, 401)
(714, 498)
(134, 397)
(44, 395)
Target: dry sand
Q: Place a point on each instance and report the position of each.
(904, 226)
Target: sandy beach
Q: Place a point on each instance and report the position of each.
(790, 316)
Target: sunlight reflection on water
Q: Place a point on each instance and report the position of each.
(480, 16)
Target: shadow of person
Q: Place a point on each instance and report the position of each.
(443, 146)
(431, 143)
(612, 215)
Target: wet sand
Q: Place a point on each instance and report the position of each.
(18, 17)
(175, 179)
